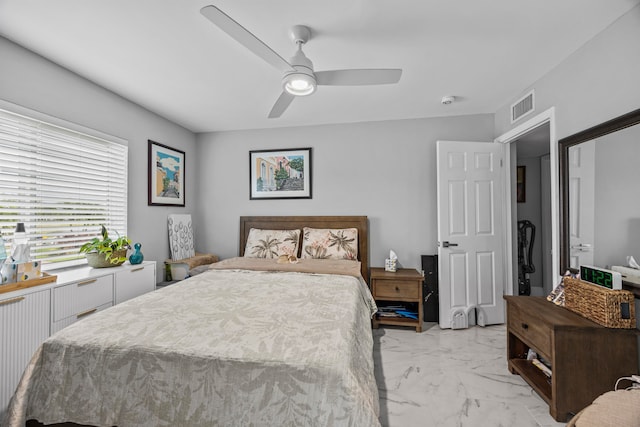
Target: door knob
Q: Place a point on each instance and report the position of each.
(446, 244)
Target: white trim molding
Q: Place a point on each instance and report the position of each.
(547, 116)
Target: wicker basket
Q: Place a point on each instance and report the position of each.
(601, 305)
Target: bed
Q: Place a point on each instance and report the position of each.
(250, 342)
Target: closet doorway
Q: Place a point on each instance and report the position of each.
(532, 255)
(531, 202)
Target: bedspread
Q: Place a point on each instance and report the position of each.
(224, 348)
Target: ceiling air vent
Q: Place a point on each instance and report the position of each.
(523, 106)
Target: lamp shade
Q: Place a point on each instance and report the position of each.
(299, 84)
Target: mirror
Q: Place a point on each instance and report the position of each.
(599, 194)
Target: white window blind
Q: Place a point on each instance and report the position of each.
(62, 184)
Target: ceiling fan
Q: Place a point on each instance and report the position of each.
(299, 78)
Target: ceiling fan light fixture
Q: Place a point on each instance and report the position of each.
(299, 84)
(299, 79)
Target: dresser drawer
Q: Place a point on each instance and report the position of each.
(75, 298)
(530, 330)
(395, 289)
(61, 324)
(135, 281)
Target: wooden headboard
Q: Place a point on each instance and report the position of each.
(298, 222)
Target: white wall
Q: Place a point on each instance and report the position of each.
(384, 170)
(597, 83)
(33, 82)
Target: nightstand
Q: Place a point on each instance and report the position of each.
(390, 288)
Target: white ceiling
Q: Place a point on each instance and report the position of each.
(165, 56)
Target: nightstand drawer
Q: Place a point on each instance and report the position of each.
(533, 332)
(394, 289)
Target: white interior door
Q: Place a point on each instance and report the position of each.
(582, 159)
(470, 231)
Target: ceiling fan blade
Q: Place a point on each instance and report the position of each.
(281, 105)
(244, 37)
(358, 77)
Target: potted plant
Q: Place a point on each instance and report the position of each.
(106, 252)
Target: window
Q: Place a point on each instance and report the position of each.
(61, 183)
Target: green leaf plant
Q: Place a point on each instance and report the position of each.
(107, 246)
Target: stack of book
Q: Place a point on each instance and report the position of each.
(539, 363)
(396, 311)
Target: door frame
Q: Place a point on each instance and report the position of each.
(547, 116)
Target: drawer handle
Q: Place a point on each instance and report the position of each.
(525, 326)
(86, 282)
(86, 313)
(11, 300)
(137, 269)
(397, 289)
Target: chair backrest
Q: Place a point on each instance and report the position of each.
(181, 241)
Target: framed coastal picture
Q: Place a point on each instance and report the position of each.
(166, 175)
(280, 174)
(521, 184)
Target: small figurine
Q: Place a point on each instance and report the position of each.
(136, 257)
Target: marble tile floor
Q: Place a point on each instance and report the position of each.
(452, 378)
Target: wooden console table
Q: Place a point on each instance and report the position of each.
(586, 358)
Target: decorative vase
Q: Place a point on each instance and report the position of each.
(98, 260)
(136, 257)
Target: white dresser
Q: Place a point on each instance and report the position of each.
(29, 316)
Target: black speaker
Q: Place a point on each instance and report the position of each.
(430, 288)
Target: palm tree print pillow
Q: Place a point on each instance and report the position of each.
(338, 243)
(271, 243)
